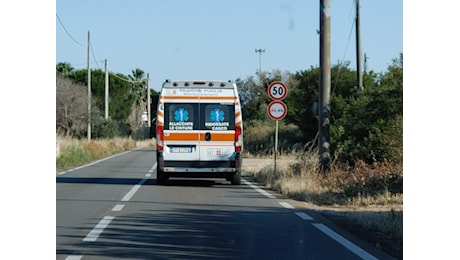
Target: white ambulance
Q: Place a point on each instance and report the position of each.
(199, 131)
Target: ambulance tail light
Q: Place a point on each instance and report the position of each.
(238, 139)
(160, 138)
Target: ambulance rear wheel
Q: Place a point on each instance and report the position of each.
(236, 179)
(161, 177)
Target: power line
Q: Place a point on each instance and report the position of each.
(71, 37)
(94, 56)
(127, 80)
(345, 52)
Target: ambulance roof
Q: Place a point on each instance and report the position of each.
(198, 84)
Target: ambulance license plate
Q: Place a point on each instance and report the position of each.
(181, 149)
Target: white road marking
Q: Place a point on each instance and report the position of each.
(268, 195)
(286, 205)
(148, 175)
(74, 257)
(98, 229)
(304, 216)
(133, 190)
(343, 241)
(118, 207)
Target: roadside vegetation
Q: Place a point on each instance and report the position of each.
(72, 152)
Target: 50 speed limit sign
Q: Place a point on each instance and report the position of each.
(277, 90)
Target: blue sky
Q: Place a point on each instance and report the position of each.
(204, 39)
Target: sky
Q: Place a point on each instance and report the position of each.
(205, 39)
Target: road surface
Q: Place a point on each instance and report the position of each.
(113, 209)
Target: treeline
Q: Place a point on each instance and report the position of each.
(127, 103)
(365, 124)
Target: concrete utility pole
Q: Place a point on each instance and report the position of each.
(358, 50)
(89, 93)
(324, 86)
(106, 90)
(260, 51)
(148, 103)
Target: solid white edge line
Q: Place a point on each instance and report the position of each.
(98, 229)
(343, 241)
(286, 205)
(304, 216)
(133, 190)
(259, 190)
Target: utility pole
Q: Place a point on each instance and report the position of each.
(89, 92)
(148, 103)
(324, 86)
(358, 50)
(260, 51)
(106, 90)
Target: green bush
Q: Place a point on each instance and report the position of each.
(107, 128)
(74, 155)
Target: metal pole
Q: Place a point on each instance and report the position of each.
(358, 50)
(276, 145)
(106, 90)
(260, 64)
(325, 86)
(89, 93)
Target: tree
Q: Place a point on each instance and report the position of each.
(370, 124)
(71, 107)
(64, 68)
(138, 94)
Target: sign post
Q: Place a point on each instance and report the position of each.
(276, 110)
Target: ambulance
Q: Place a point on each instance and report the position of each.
(199, 131)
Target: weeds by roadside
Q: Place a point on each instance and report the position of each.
(74, 152)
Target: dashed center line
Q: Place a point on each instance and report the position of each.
(74, 257)
(118, 207)
(133, 190)
(98, 229)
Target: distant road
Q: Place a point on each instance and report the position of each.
(113, 209)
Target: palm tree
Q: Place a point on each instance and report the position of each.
(139, 92)
(139, 88)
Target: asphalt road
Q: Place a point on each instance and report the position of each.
(113, 209)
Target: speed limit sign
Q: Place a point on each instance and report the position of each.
(277, 90)
(277, 110)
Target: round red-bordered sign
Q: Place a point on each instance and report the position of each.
(277, 90)
(277, 110)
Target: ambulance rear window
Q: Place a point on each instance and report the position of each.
(181, 116)
(217, 117)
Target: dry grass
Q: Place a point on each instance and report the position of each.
(72, 152)
(379, 184)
